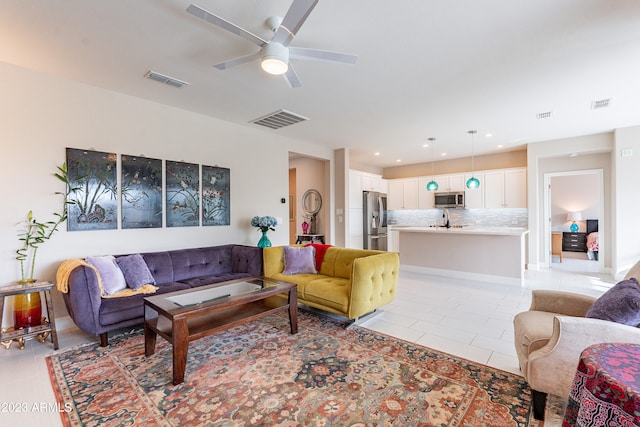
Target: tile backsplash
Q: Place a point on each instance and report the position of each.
(517, 217)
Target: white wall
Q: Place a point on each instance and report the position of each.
(42, 114)
(626, 198)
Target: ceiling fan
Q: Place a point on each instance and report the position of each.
(275, 53)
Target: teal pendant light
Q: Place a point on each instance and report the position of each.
(473, 182)
(432, 185)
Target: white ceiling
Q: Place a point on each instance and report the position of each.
(425, 68)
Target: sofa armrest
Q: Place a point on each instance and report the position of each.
(83, 300)
(374, 282)
(566, 303)
(551, 369)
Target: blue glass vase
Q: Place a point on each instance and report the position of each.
(264, 241)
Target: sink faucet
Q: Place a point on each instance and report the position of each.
(445, 215)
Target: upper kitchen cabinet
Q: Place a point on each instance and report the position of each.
(403, 194)
(372, 182)
(474, 199)
(363, 181)
(453, 182)
(505, 188)
(426, 198)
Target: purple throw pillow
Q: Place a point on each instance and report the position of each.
(110, 274)
(135, 271)
(620, 304)
(299, 260)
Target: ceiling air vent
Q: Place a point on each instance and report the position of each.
(165, 79)
(545, 115)
(601, 103)
(279, 119)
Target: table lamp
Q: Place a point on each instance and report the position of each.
(574, 216)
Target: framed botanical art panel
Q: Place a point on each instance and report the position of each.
(141, 192)
(216, 195)
(182, 194)
(94, 204)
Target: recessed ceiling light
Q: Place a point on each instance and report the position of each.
(376, 153)
(425, 145)
(398, 161)
(488, 135)
(500, 145)
(443, 154)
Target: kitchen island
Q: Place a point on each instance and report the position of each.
(496, 254)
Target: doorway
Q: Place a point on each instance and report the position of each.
(292, 206)
(567, 195)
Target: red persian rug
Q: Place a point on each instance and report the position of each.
(260, 374)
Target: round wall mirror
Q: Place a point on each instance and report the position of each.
(311, 202)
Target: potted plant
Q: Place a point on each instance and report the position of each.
(27, 307)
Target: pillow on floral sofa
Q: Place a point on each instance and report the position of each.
(620, 304)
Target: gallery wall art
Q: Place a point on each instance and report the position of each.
(94, 204)
(182, 182)
(141, 192)
(216, 199)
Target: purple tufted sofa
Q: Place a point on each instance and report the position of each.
(172, 270)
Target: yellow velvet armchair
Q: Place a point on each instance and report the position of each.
(351, 282)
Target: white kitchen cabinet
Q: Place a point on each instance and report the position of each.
(363, 181)
(403, 194)
(372, 182)
(355, 235)
(453, 182)
(355, 190)
(474, 199)
(505, 188)
(515, 188)
(425, 197)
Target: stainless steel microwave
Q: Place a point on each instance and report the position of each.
(453, 199)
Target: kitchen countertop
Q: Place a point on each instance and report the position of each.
(471, 229)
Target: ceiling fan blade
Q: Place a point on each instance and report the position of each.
(293, 20)
(321, 55)
(199, 12)
(292, 77)
(237, 61)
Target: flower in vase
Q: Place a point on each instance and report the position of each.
(264, 223)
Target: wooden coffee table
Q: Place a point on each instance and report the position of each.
(184, 316)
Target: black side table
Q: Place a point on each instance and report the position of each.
(7, 336)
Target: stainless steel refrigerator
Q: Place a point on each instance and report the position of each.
(374, 220)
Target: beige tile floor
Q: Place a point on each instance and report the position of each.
(466, 318)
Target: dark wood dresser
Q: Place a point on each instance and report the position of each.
(574, 242)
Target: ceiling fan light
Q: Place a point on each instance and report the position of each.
(275, 58)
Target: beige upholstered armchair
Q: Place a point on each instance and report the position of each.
(550, 337)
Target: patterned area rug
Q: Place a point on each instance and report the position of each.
(260, 374)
